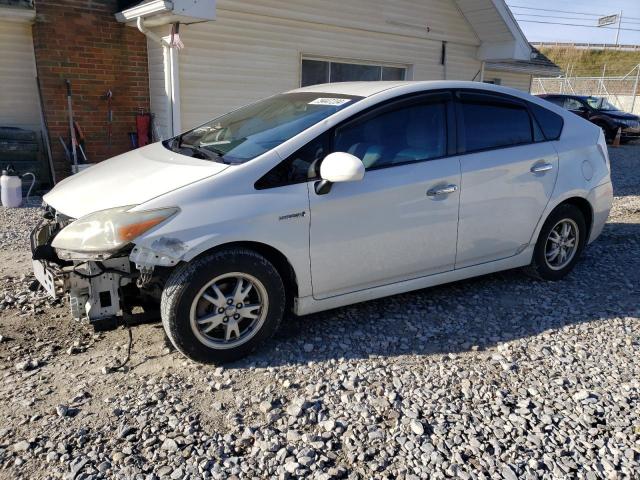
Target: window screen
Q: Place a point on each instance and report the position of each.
(314, 72)
(403, 135)
(492, 125)
(325, 71)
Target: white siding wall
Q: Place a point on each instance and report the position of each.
(521, 81)
(253, 49)
(158, 87)
(19, 104)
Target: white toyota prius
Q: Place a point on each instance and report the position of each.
(322, 197)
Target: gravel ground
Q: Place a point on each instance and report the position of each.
(496, 377)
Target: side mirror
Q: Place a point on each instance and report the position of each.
(339, 167)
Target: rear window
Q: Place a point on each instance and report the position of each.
(489, 122)
(550, 123)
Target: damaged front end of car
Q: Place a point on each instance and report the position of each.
(93, 259)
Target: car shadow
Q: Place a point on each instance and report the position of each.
(624, 183)
(473, 314)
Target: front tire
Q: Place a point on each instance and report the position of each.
(220, 307)
(560, 243)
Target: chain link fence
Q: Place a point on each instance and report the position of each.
(621, 91)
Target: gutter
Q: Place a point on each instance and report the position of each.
(144, 10)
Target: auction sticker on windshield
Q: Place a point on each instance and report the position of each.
(330, 101)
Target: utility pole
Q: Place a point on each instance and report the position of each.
(635, 88)
(618, 32)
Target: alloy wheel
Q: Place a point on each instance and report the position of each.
(229, 310)
(562, 244)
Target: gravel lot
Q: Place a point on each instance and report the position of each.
(496, 377)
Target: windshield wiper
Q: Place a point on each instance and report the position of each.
(208, 154)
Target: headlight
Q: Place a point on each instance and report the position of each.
(107, 230)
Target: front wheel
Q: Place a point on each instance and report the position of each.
(560, 243)
(222, 306)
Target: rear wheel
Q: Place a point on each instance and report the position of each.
(221, 307)
(559, 244)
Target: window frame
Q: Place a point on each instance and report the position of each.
(352, 61)
(500, 98)
(388, 105)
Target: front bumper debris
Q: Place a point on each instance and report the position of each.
(94, 288)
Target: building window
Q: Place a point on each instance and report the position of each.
(326, 71)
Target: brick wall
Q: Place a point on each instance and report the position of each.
(80, 40)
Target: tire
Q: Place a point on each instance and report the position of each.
(184, 306)
(541, 267)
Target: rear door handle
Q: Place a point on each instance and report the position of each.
(446, 190)
(541, 167)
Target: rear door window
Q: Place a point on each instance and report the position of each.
(488, 121)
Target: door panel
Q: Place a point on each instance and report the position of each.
(384, 228)
(502, 200)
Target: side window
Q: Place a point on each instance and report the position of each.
(298, 167)
(405, 134)
(572, 104)
(489, 122)
(550, 123)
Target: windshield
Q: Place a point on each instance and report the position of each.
(254, 129)
(599, 103)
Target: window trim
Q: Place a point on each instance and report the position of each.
(352, 61)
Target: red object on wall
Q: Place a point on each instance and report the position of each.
(81, 40)
(143, 127)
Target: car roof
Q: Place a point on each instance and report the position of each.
(367, 89)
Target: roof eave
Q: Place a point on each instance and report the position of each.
(17, 14)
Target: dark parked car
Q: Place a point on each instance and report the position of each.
(599, 111)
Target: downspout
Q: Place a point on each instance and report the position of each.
(149, 34)
(171, 77)
(482, 71)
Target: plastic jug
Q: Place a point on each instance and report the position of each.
(11, 187)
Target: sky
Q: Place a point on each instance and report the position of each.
(541, 32)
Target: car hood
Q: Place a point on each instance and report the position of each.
(128, 179)
(619, 114)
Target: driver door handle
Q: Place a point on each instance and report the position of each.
(541, 168)
(445, 190)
